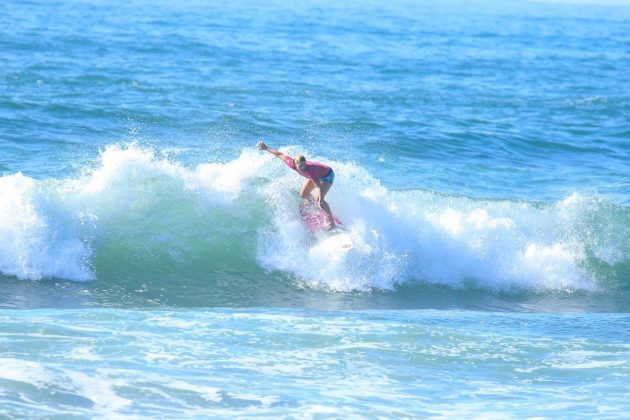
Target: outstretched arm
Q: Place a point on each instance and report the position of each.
(263, 146)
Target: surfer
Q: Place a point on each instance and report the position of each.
(319, 177)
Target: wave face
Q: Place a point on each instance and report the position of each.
(138, 214)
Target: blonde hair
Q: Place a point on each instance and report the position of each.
(299, 158)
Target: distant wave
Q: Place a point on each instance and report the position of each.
(134, 211)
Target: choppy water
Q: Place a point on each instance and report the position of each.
(306, 363)
(481, 156)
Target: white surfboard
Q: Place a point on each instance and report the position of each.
(336, 238)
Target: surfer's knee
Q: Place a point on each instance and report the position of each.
(307, 189)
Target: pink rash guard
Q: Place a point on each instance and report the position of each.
(313, 171)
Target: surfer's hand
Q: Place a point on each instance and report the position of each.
(261, 145)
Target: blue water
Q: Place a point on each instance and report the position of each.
(153, 261)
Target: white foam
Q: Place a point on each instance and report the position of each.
(99, 390)
(404, 235)
(96, 388)
(38, 237)
(136, 199)
(24, 371)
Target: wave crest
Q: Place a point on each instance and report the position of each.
(134, 212)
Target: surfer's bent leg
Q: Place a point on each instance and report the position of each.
(307, 189)
(323, 189)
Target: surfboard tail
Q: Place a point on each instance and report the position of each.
(314, 217)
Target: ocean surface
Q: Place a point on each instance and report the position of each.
(153, 262)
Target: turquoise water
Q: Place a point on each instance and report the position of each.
(310, 363)
(154, 262)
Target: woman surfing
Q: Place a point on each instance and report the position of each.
(319, 176)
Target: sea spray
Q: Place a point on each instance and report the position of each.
(135, 213)
(38, 236)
